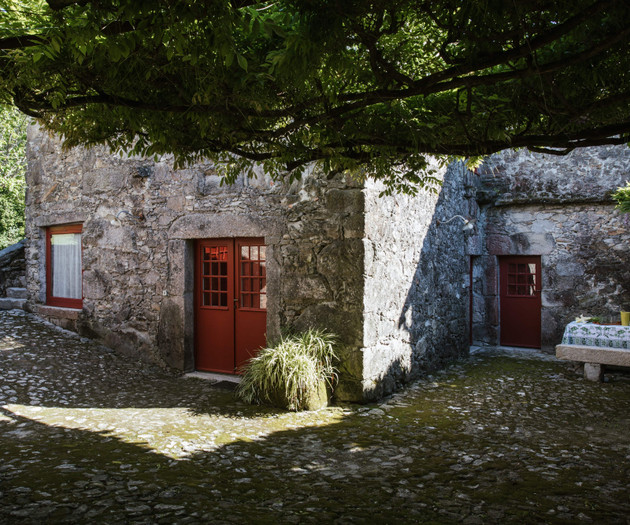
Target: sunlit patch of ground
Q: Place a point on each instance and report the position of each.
(173, 432)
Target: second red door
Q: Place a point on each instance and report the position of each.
(520, 301)
(230, 302)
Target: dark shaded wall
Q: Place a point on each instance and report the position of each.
(416, 281)
(560, 209)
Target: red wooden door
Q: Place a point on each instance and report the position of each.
(230, 302)
(251, 301)
(520, 301)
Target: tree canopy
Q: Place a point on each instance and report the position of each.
(365, 85)
(12, 170)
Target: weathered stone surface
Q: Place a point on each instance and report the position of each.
(16, 293)
(12, 267)
(584, 175)
(310, 288)
(56, 311)
(561, 210)
(348, 201)
(531, 243)
(594, 354)
(416, 282)
(170, 336)
(10, 303)
(498, 244)
(220, 224)
(67, 318)
(593, 371)
(140, 220)
(341, 265)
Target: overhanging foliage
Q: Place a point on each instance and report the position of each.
(12, 170)
(366, 85)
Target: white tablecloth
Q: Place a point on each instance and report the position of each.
(588, 334)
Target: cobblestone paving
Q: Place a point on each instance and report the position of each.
(87, 436)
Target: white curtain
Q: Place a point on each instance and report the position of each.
(66, 265)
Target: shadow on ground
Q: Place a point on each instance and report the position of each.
(493, 439)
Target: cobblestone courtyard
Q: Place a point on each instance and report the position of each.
(87, 436)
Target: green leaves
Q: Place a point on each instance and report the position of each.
(242, 62)
(371, 87)
(291, 373)
(12, 170)
(622, 197)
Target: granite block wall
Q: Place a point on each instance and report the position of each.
(416, 281)
(140, 219)
(389, 275)
(559, 208)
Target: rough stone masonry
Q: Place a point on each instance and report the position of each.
(559, 208)
(380, 272)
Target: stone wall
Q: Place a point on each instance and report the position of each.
(139, 222)
(12, 267)
(416, 282)
(559, 208)
(388, 275)
(585, 175)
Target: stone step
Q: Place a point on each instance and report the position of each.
(16, 293)
(11, 303)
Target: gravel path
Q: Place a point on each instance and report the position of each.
(88, 436)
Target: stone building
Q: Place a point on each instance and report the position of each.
(555, 213)
(172, 267)
(335, 256)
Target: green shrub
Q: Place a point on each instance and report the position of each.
(622, 196)
(12, 169)
(292, 374)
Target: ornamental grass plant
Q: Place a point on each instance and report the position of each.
(296, 373)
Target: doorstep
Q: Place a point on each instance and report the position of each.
(213, 376)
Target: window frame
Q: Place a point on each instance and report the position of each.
(51, 300)
(261, 277)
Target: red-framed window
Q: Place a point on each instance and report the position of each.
(252, 274)
(64, 281)
(215, 274)
(521, 280)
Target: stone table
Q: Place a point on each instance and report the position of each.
(595, 345)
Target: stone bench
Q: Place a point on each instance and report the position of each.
(593, 358)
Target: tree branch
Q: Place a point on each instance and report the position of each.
(34, 101)
(366, 99)
(58, 5)
(422, 86)
(549, 151)
(378, 62)
(605, 135)
(25, 41)
(20, 42)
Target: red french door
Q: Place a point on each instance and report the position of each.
(230, 302)
(520, 301)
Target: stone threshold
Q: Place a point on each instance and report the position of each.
(56, 311)
(515, 351)
(477, 348)
(214, 376)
